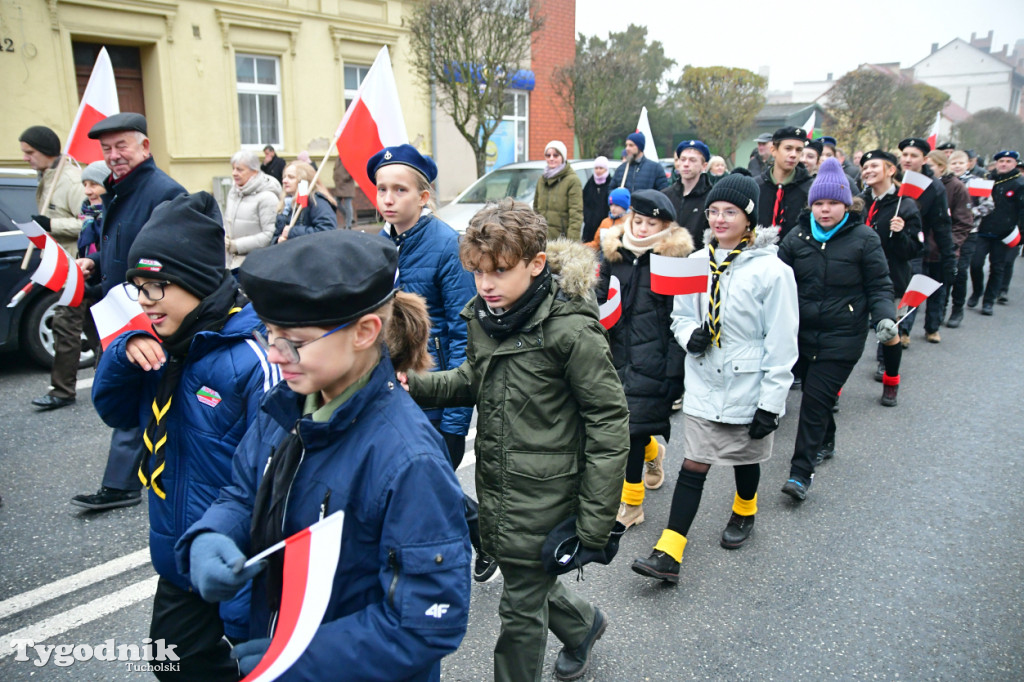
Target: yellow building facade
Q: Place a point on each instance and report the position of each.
(212, 76)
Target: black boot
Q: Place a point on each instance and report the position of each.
(659, 565)
(737, 531)
(986, 308)
(572, 664)
(973, 300)
(955, 318)
(827, 451)
(889, 395)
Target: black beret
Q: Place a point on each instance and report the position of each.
(42, 139)
(946, 145)
(789, 133)
(875, 154)
(562, 550)
(404, 154)
(816, 145)
(1006, 153)
(320, 280)
(917, 143)
(653, 204)
(828, 140)
(114, 124)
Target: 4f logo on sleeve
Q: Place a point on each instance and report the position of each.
(437, 610)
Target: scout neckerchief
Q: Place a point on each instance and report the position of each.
(210, 314)
(715, 300)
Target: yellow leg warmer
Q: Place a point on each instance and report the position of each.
(633, 493)
(672, 543)
(744, 507)
(651, 451)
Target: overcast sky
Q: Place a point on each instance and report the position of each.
(802, 41)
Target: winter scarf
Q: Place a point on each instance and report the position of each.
(824, 235)
(715, 300)
(503, 325)
(552, 172)
(640, 246)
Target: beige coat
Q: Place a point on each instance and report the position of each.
(250, 216)
(64, 205)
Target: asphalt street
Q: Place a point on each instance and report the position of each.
(905, 561)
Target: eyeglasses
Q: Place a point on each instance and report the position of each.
(555, 155)
(287, 348)
(154, 290)
(729, 214)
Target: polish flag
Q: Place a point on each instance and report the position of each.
(809, 126)
(98, 102)
(310, 560)
(35, 233)
(74, 287)
(48, 270)
(644, 126)
(1013, 238)
(117, 314)
(978, 187)
(918, 291)
(679, 276)
(302, 194)
(914, 184)
(610, 311)
(52, 272)
(372, 121)
(934, 137)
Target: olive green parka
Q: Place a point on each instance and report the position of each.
(560, 201)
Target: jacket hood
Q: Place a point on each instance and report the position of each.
(677, 243)
(573, 265)
(261, 182)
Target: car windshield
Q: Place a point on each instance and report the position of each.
(520, 183)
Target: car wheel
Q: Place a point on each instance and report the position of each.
(37, 334)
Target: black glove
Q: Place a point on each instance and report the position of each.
(764, 423)
(43, 221)
(699, 341)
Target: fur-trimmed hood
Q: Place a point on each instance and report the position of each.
(573, 265)
(677, 243)
(763, 237)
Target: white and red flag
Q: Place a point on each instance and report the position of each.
(610, 311)
(679, 276)
(372, 121)
(50, 267)
(52, 272)
(933, 138)
(35, 233)
(117, 314)
(98, 102)
(918, 291)
(809, 126)
(1013, 238)
(644, 126)
(302, 193)
(310, 560)
(978, 187)
(914, 184)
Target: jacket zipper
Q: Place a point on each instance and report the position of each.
(441, 360)
(323, 505)
(288, 495)
(393, 565)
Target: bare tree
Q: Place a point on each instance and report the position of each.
(989, 131)
(722, 103)
(471, 52)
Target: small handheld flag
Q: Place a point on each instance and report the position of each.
(914, 184)
(610, 311)
(679, 276)
(977, 187)
(918, 291)
(302, 195)
(52, 272)
(117, 314)
(35, 233)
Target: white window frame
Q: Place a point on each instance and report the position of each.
(361, 71)
(520, 114)
(261, 89)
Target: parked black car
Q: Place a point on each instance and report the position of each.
(27, 324)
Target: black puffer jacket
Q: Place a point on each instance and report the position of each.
(839, 285)
(690, 207)
(595, 205)
(1008, 196)
(792, 202)
(899, 247)
(645, 354)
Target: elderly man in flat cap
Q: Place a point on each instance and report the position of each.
(135, 187)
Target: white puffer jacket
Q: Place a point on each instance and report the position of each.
(250, 216)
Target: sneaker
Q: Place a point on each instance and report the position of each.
(1002, 298)
(677, 404)
(973, 300)
(797, 488)
(889, 395)
(572, 664)
(955, 318)
(827, 451)
(485, 569)
(905, 339)
(737, 531)
(986, 308)
(654, 471)
(630, 514)
(107, 498)
(932, 337)
(879, 371)
(659, 566)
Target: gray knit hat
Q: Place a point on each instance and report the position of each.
(739, 190)
(97, 171)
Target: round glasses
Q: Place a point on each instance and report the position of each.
(154, 290)
(287, 348)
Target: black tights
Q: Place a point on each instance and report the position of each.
(635, 463)
(690, 487)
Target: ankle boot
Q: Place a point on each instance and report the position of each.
(889, 395)
(659, 565)
(737, 531)
(955, 318)
(630, 514)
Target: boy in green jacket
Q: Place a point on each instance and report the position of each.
(552, 431)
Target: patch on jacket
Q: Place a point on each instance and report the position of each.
(208, 396)
(149, 264)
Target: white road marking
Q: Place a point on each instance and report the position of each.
(80, 615)
(59, 588)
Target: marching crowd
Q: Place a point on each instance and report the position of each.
(295, 369)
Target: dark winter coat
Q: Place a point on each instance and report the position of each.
(1008, 197)
(649, 361)
(755, 165)
(225, 377)
(900, 247)
(429, 265)
(404, 546)
(784, 211)
(275, 168)
(560, 200)
(127, 206)
(690, 207)
(959, 202)
(841, 285)
(643, 174)
(595, 206)
(937, 225)
(319, 216)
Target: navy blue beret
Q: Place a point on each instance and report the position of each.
(653, 204)
(1006, 153)
(826, 140)
(694, 144)
(405, 154)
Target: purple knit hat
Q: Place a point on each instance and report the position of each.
(831, 183)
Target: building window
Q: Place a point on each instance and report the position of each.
(259, 99)
(354, 76)
(509, 142)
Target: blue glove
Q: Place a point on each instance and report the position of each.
(217, 572)
(249, 654)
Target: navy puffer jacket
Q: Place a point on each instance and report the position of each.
(643, 174)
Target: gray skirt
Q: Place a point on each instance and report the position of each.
(711, 442)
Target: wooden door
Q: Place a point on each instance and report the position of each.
(127, 72)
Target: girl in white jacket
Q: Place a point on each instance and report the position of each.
(741, 343)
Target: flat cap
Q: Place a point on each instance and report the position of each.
(118, 122)
(653, 204)
(763, 138)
